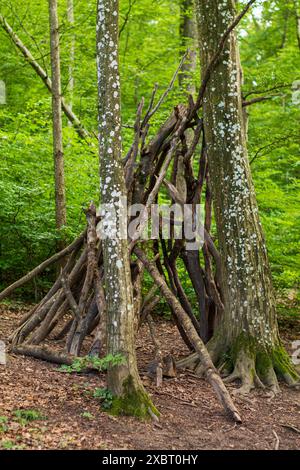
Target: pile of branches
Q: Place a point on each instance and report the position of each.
(74, 307)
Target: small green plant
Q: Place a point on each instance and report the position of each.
(91, 362)
(10, 445)
(26, 416)
(3, 424)
(87, 415)
(7, 445)
(105, 396)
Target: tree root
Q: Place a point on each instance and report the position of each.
(251, 366)
(245, 372)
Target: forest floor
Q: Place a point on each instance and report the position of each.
(191, 418)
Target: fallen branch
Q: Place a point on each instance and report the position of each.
(68, 293)
(277, 441)
(44, 353)
(289, 426)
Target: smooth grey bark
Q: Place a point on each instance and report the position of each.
(187, 30)
(123, 379)
(248, 332)
(297, 16)
(188, 41)
(60, 198)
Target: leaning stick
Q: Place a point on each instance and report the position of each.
(210, 371)
(70, 298)
(152, 195)
(41, 267)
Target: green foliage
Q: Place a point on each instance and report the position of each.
(10, 445)
(150, 48)
(105, 397)
(90, 362)
(3, 424)
(26, 416)
(87, 415)
(270, 58)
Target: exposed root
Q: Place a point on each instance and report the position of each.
(250, 365)
(189, 362)
(295, 385)
(244, 370)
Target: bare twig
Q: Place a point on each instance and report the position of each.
(145, 120)
(258, 100)
(277, 441)
(268, 90)
(166, 92)
(135, 147)
(270, 146)
(127, 15)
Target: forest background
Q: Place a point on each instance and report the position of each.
(150, 50)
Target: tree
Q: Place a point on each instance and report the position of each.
(123, 379)
(188, 40)
(70, 18)
(247, 339)
(297, 14)
(60, 198)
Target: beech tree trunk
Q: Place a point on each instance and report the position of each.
(297, 16)
(123, 380)
(60, 198)
(188, 38)
(248, 334)
(188, 41)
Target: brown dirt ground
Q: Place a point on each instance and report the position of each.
(191, 417)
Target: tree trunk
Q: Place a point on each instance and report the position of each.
(188, 39)
(123, 380)
(297, 16)
(248, 334)
(70, 18)
(60, 199)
